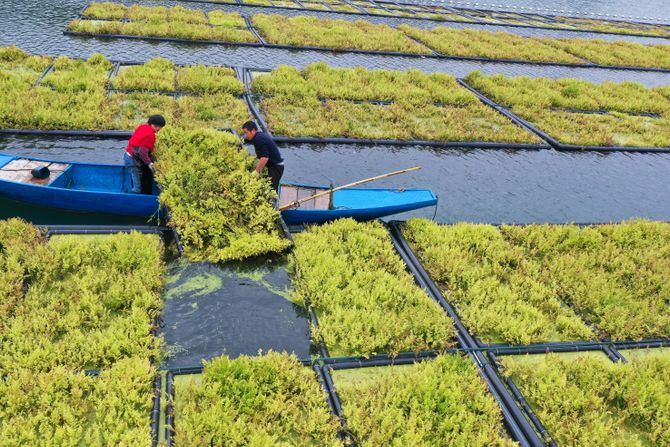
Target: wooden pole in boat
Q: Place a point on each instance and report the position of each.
(349, 185)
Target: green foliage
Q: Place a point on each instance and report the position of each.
(221, 210)
(597, 403)
(65, 408)
(203, 79)
(215, 111)
(336, 34)
(620, 53)
(560, 107)
(269, 400)
(293, 104)
(493, 45)
(73, 75)
(437, 402)
(74, 303)
(91, 301)
(105, 10)
(128, 110)
(160, 21)
(512, 283)
(366, 301)
(155, 75)
(497, 291)
(19, 69)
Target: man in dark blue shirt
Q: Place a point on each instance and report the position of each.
(266, 151)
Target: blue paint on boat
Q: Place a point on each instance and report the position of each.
(82, 187)
(361, 204)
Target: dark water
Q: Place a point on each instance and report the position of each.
(233, 309)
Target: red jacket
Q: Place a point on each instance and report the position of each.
(143, 139)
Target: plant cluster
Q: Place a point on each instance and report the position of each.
(497, 291)
(73, 94)
(221, 210)
(617, 53)
(435, 402)
(69, 304)
(519, 283)
(613, 26)
(326, 102)
(264, 400)
(582, 113)
(491, 45)
(334, 34)
(591, 401)
(160, 21)
(365, 300)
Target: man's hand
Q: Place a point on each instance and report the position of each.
(151, 167)
(255, 173)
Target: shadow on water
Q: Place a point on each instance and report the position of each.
(236, 309)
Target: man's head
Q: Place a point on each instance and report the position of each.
(249, 130)
(157, 122)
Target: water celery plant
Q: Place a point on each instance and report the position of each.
(498, 293)
(518, 284)
(582, 113)
(366, 301)
(156, 75)
(591, 401)
(436, 402)
(222, 211)
(265, 400)
(204, 79)
(336, 34)
(325, 102)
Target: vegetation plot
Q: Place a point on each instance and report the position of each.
(594, 402)
(221, 210)
(69, 304)
(519, 283)
(266, 400)
(331, 102)
(366, 302)
(578, 112)
(437, 402)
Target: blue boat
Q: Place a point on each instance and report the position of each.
(80, 187)
(357, 203)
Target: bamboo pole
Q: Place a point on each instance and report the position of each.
(349, 185)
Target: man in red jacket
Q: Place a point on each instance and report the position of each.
(138, 159)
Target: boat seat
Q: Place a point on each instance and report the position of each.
(291, 193)
(19, 171)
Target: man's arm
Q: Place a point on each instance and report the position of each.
(143, 153)
(261, 164)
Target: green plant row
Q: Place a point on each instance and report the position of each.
(425, 107)
(518, 284)
(560, 108)
(221, 211)
(268, 400)
(73, 95)
(591, 401)
(176, 22)
(301, 31)
(365, 300)
(436, 12)
(437, 402)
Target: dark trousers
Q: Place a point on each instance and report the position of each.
(275, 172)
(147, 179)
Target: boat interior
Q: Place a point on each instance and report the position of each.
(291, 193)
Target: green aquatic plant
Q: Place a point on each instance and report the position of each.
(618, 53)
(497, 291)
(436, 402)
(335, 34)
(490, 45)
(215, 111)
(366, 302)
(126, 111)
(227, 19)
(204, 79)
(105, 10)
(265, 400)
(221, 210)
(196, 286)
(76, 75)
(591, 401)
(155, 75)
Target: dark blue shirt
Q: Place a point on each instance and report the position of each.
(265, 146)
